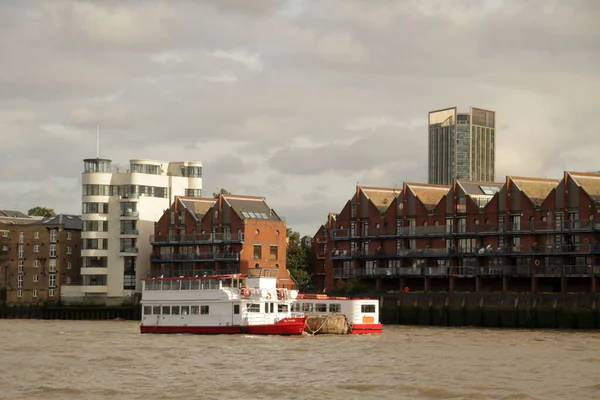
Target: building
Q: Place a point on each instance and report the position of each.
(119, 211)
(461, 146)
(224, 235)
(523, 235)
(40, 256)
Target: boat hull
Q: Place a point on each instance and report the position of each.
(367, 329)
(287, 326)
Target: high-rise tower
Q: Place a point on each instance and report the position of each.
(461, 146)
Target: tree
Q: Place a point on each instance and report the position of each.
(41, 211)
(222, 191)
(298, 259)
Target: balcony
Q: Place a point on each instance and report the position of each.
(341, 254)
(128, 251)
(340, 234)
(418, 231)
(129, 214)
(197, 238)
(550, 271)
(227, 256)
(129, 232)
(129, 197)
(321, 256)
(575, 271)
(195, 257)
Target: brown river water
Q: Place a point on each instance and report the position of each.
(111, 360)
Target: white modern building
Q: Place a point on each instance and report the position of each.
(119, 210)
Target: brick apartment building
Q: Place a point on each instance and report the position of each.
(40, 255)
(523, 235)
(224, 235)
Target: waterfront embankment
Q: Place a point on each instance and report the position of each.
(531, 311)
(70, 313)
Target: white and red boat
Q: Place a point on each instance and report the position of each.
(242, 303)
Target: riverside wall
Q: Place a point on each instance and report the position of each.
(529, 311)
(70, 313)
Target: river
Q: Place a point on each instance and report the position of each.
(111, 360)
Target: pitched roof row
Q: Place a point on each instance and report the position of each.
(246, 207)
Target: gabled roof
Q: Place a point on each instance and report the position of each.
(480, 188)
(70, 222)
(251, 207)
(380, 197)
(430, 195)
(589, 182)
(197, 206)
(537, 189)
(13, 214)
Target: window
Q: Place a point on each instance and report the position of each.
(68, 235)
(52, 280)
(68, 280)
(257, 251)
(236, 308)
(156, 310)
(147, 310)
(253, 308)
(53, 235)
(20, 281)
(307, 307)
(19, 293)
(5, 234)
(21, 252)
(273, 253)
(282, 308)
(35, 293)
(204, 310)
(20, 266)
(335, 308)
(21, 237)
(68, 249)
(36, 248)
(36, 235)
(53, 250)
(51, 292)
(166, 310)
(194, 310)
(68, 264)
(367, 308)
(185, 310)
(320, 307)
(175, 310)
(35, 278)
(36, 263)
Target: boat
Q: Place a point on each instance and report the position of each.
(361, 315)
(249, 304)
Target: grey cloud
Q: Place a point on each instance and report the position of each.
(279, 99)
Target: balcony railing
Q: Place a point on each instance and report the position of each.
(129, 196)
(129, 213)
(578, 270)
(199, 256)
(130, 232)
(132, 250)
(197, 238)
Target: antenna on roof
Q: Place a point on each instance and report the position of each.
(97, 141)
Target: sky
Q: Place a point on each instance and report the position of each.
(294, 100)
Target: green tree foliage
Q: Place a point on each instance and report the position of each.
(222, 191)
(298, 259)
(40, 211)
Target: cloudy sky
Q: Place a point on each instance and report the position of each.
(293, 100)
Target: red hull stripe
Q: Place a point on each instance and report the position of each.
(364, 329)
(284, 327)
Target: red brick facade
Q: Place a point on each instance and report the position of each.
(229, 234)
(527, 234)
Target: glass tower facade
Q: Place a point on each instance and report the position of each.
(461, 146)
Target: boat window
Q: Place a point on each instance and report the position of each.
(321, 307)
(185, 310)
(156, 310)
(175, 310)
(367, 308)
(226, 283)
(282, 308)
(185, 284)
(166, 310)
(175, 284)
(267, 308)
(335, 308)
(204, 310)
(253, 308)
(272, 306)
(307, 307)
(236, 308)
(296, 307)
(194, 310)
(235, 283)
(195, 284)
(147, 310)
